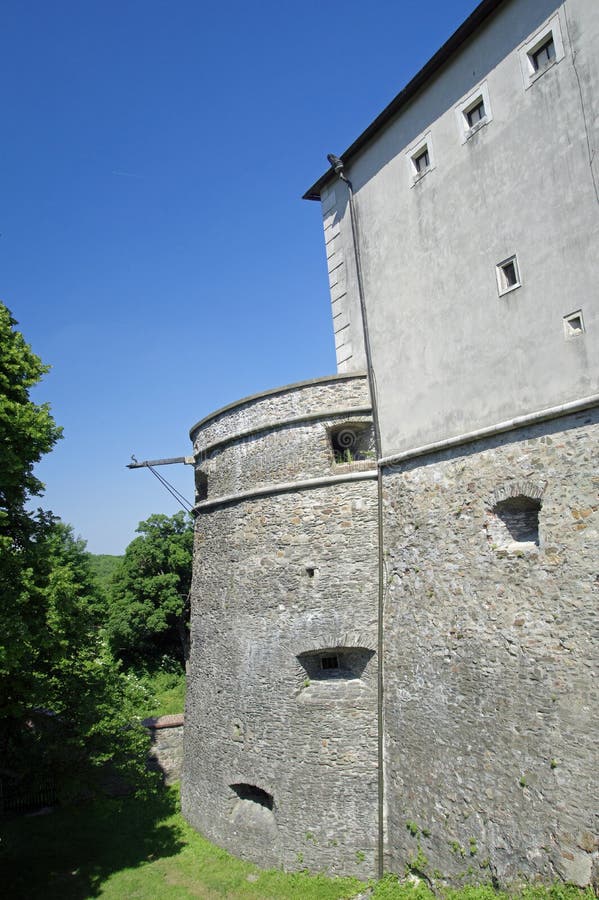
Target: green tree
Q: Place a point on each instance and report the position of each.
(66, 711)
(104, 566)
(27, 431)
(149, 600)
(75, 715)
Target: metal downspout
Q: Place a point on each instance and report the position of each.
(338, 167)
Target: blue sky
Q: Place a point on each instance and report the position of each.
(153, 244)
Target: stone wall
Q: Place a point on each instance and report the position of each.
(261, 411)
(166, 751)
(491, 695)
(281, 715)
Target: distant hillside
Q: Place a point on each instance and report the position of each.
(104, 567)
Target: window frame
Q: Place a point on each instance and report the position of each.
(543, 48)
(550, 30)
(569, 333)
(423, 155)
(423, 145)
(473, 99)
(502, 286)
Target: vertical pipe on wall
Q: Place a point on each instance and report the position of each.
(337, 165)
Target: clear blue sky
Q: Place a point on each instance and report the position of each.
(153, 243)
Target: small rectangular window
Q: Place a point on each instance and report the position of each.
(422, 161)
(473, 112)
(541, 51)
(508, 275)
(574, 325)
(476, 113)
(544, 55)
(420, 157)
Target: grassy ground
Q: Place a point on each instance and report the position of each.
(143, 850)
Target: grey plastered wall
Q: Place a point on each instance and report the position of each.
(277, 576)
(491, 691)
(450, 355)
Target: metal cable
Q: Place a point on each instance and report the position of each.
(181, 500)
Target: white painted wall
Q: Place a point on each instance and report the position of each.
(451, 355)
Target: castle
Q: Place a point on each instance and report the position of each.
(394, 629)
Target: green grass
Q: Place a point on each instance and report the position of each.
(143, 850)
(390, 889)
(138, 850)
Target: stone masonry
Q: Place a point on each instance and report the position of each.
(166, 750)
(490, 699)
(281, 752)
(491, 695)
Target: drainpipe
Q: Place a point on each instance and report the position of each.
(337, 165)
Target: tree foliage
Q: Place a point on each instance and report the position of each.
(27, 431)
(149, 600)
(104, 565)
(66, 711)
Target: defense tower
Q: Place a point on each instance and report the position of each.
(281, 719)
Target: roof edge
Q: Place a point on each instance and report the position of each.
(465, 30)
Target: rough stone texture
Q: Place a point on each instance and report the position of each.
(166, 752)
(278, 580)
(265, 410)
(289, 453)
(229, 460)
(491, 694)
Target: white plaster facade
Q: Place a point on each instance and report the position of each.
(451, 351)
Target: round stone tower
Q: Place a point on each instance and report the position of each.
(281, 720)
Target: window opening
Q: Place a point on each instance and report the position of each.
(508, 276)
(351, 442)
(574, 324)
(310, 571)
(520, 517)
(255, 794)
(421, 161)
(544, 55)
(329, 662)
(476, 113)
(201, 481)
(544, 48)
(334, 664)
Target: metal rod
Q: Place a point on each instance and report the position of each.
(186, 460)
